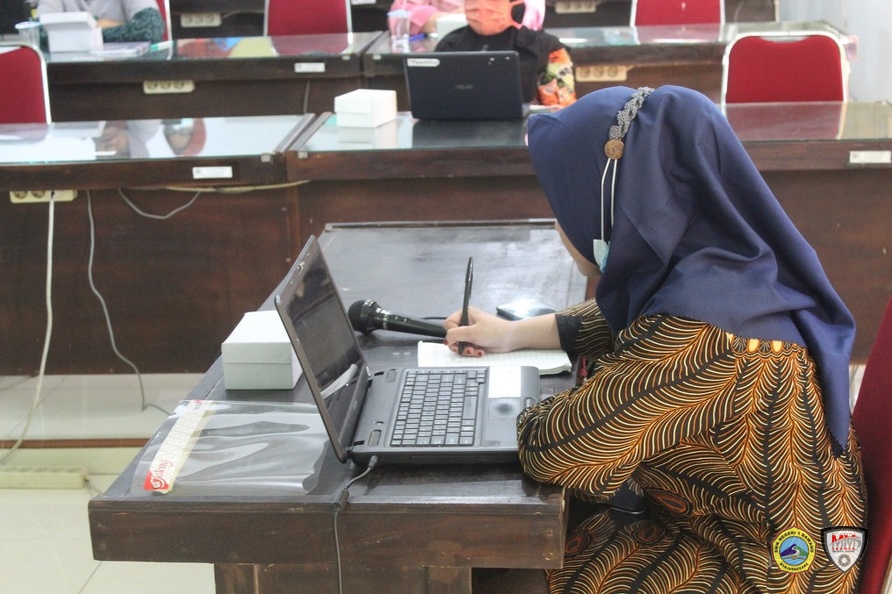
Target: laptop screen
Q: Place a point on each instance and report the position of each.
(323, 339)
(465, 85)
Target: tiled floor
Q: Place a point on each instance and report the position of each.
(44, 534)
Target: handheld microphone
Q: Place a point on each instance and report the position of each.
(366, 316)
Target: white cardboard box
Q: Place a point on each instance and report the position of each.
(71, 31)
(365, 108)
(384, 136)
(258, 355)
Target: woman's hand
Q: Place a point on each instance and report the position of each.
(487, 333)
(484, 332)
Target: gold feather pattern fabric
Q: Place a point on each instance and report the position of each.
(725, 436)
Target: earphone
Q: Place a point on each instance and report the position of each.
(614, 150)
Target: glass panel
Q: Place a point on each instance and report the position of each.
(143, 139)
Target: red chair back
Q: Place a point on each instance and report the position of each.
(27, 100)
(872, 418)
(304, 17)
(164, 9)
(762, 68)
(677, 12)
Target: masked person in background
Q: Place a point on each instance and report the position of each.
(545, 64)
(423, 14)
(719, 354)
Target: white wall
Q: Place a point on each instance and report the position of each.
(871, 22)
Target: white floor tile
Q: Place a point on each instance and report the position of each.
(47, 566)
(151, 578)
(45, 545)
(91, 406)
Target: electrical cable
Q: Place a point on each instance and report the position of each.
(307, 96)
(49, 327)
(341, 503)
(111, 333)
(148, 215)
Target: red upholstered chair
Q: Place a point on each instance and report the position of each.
(781, 67)
(164, 9)
(23, 94)
(677, 12)
(872, 419)
(303, 17)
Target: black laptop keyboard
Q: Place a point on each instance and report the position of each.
(438, 408)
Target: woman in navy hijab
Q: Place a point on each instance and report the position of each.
(718, 351)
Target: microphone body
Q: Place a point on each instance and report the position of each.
(366, 316)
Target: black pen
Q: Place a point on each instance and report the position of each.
(469, 280)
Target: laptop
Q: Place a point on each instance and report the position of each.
(363, 414)
(465, 86)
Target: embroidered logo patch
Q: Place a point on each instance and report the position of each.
(844, 545)
(794, 550)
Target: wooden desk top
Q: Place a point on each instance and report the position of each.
(137, 153)
(396, 516)
(229, 58)
(778, 136)
(648, 45)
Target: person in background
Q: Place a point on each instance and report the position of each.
(423, 14)
(120, 20)
(545, 63)
(718, 383)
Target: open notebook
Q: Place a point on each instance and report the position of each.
(548, 361)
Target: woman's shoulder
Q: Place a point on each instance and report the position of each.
(541, 38)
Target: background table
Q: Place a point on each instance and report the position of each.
(174, 287)
(685, 55)
(404, 530)
(226, 76)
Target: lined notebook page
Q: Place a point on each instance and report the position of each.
(435, 354)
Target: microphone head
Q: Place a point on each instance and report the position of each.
(360, 315)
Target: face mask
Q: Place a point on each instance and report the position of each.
(490, 17)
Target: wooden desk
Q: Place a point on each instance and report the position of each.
(174, 287)
(403, 530)
(684, 55)
(453, 171)
(232, 76)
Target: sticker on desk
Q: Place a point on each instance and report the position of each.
(222, 172)
(309, 67)
(175, 448)
(870, 157)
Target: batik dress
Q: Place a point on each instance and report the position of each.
(724, 436)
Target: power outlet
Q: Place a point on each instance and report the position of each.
(191, 20)
(165, 87)
(601, 73)
(38, 196)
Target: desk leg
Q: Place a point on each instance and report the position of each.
(234, 578)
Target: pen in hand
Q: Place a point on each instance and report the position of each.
(469, 280)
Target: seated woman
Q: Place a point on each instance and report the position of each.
(423, 14)
(120, 20)
(719, 351)
(494, 25)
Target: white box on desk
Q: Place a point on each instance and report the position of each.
(365, 108)
(71, 31)
(258, 355)
(385, 136)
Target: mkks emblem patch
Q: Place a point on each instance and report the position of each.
(844, 545)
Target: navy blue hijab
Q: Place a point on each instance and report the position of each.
(696, 231)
